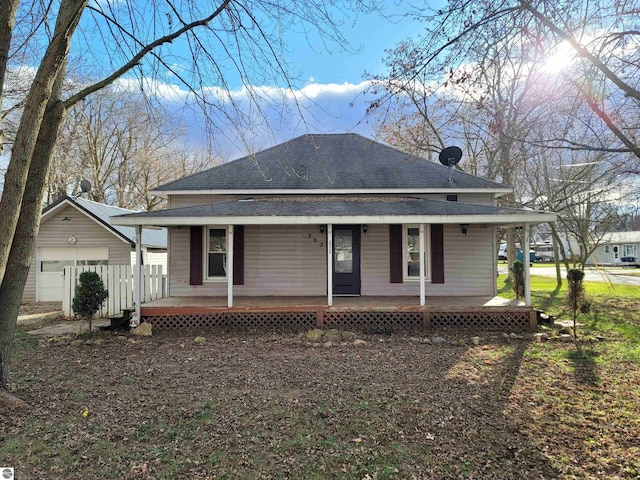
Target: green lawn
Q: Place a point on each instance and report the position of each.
(615, 311)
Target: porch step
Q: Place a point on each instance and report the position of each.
(543, 317)
(119, 322)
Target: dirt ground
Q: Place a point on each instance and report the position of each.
(42, 307)
(276, 406)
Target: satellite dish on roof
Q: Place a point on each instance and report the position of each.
(450, 157)
(85, 186)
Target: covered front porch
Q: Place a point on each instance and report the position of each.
(380, 313)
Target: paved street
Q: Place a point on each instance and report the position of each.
(619, 276)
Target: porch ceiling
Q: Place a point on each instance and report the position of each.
(312, 210)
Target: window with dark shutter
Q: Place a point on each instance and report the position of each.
(238, 255)
(437, 253)
(395, 254)
(195, 256)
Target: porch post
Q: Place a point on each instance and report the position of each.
(422, 272)
(139, 286)
(329, 264)
(527, 267)
(230, 266)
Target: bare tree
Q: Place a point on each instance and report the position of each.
(124, 145)
(137, 40)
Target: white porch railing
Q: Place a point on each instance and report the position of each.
(119, 282)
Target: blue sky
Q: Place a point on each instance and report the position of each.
(327, 84)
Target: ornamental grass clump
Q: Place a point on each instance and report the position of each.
(90, 294)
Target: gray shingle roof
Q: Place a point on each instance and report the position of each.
(155, 238)
(329, 161)
(317, 207)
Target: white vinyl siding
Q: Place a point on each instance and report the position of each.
(54, 232)
(278, 260)
(285, 260)
(177, 201)
(468, 261)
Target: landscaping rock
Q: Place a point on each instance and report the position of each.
(75, 343)
(564, 331)
(332, 335)
(505, 335)
(513, 335)
(200, 340)
(327, 344)
(414, 339)
(98, 341)
(426, 340)
(439, 340)
(349, 336)
(455, 343)
(144, 330)
(359, 343)
(475, 340)
(566, 338)
(89, 342)
(314, 335)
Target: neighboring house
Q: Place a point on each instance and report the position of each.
(617, 248)
(332, 215)
(75, 231)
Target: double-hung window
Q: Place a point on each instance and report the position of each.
(216, 253)
(411, 252)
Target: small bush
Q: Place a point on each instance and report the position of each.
(576, 297)
(517, 269)
(90, 294)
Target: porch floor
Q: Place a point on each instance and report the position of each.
(171, 304)
(362, 313)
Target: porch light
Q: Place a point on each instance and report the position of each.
(321, 228)
(463, 228)
(365, 227)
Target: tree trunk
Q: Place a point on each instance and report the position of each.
(30, 122)
(557, 248)
(8, 9)
(27, 229)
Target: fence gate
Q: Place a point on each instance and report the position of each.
(119, 281)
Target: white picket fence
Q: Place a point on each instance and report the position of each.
(119, 281)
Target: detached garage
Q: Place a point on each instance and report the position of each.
(73, 232)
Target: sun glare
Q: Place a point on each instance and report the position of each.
(562, 57)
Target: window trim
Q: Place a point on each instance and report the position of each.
(405, 252)
(205, 257)
(607, 249)
(629, 247)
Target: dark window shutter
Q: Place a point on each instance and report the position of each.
(195, 256)
(395, 253)
(238, 255)
(437, 253)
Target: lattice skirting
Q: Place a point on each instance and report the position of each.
(239, 320)
(372, 321)
(482, 320)
(367, 321)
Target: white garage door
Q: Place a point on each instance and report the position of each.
(51, 263)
